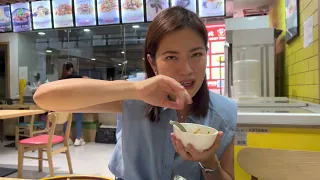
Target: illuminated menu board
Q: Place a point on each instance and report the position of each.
(188, 4)
(62, 13)
(21, 18)
(5, 19)
(132, 11)
(41, 14)
(154, 7)
(211, 8)
(108, 12)
(85, 12)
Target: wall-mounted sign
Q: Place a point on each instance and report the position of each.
(21, 17)
(215, 71)
(5, 19)
(85, 12)
(41, 14)
(188, 4)
(132, 11)
(62, 13)
(108, 12)
(154, 7)
(211, 8)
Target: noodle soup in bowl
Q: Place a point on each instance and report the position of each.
(200, 136)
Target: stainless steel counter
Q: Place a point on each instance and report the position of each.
(278, 111)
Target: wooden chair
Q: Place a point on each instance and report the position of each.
(33, 127)
(45, 142)
(272, 164)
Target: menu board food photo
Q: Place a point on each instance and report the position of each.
(188, 4)
(108, 12)
(62, 13)
(5, 19)
(154, 7)
(132, 11)
(85, 12)
(211, 8)
(41, 14)
(21, 18)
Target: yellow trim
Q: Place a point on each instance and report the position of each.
(73, 176)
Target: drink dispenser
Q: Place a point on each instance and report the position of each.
(246, 78)
(250, 63)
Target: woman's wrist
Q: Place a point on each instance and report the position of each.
(212, 163)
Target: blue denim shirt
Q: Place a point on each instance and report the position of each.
(145, 150)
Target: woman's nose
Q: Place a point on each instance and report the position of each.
(185, 68)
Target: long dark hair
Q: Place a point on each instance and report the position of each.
(65, 69)
(170, 20)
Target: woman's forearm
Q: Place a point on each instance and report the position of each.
(73, 94)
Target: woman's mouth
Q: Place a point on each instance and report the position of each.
(187, 84)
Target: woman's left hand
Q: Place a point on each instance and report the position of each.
(207, 158)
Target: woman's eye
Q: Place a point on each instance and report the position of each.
(171, 58)
(197, 55)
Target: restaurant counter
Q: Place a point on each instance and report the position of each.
(278, 123)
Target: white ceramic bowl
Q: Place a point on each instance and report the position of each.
(203, 140)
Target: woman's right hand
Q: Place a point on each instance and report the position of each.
(156, 91)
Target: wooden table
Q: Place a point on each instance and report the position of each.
(7, 115)
(15, 106)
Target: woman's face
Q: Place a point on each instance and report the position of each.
(182, 55)
(70, 71)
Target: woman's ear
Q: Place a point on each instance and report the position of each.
(152, 64)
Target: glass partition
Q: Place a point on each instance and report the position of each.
(107, 53)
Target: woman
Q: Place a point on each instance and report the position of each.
(68, 72)
(175, 89)
(37, 81)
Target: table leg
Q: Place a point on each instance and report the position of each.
(21, 119)
(1, 131)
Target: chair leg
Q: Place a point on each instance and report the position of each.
(20, 160)
(40, 161)
(50, 162)
(31, 134)
(17, 135)
(69, 160)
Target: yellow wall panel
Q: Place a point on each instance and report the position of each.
(315, 18)
(314, 62)
(302, 64)
(316, 32)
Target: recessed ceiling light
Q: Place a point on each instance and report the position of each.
(122, 52)
(48, 51)
(86, 30)
(41, 33)
(119, 64)
(135, 26)
(93, 59)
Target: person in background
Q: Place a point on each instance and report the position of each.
(67, 73)
(37, 81)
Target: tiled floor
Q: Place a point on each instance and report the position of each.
(91, 158)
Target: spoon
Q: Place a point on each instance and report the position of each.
(178, 125)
